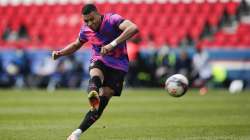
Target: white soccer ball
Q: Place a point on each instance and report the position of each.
(176, 85)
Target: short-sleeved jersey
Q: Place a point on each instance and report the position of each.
(108, 31)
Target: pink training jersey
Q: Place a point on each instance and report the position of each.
(108, 31)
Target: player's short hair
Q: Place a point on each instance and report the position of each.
(88, 8)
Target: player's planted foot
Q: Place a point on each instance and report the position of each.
(73, 137)
(94, 100)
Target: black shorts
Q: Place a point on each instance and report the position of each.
(113, 78)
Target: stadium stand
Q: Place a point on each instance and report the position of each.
(169, 22)
(216, 25)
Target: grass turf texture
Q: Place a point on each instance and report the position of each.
(137, 115)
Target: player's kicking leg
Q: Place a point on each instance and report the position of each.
(95, 84)
(93, 115)
(97, 103)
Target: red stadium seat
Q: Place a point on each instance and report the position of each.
(231, 40)
(195, 32)
(180, 8)
(193, 8)
(205, 8)
(231, 7)
(243, 28)
(244, 41)
(169, 8)
(218, 7)
(213, 20)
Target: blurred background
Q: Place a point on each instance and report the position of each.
(206, 40)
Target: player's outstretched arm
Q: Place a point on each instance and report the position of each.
(71, 48)
(129, 29)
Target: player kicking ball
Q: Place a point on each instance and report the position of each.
(109, 62)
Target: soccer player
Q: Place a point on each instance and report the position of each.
(109, 63)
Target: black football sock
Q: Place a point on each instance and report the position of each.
(103, 103)
(92, 116)
(95, 83)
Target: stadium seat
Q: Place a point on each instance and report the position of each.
(231, 7)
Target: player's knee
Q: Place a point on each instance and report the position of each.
(96, 72)
(95, 83)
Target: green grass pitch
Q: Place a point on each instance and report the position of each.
(139, 114)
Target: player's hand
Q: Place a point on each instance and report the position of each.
(55, 55)
(106, 49)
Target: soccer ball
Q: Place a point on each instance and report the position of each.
(176, 85)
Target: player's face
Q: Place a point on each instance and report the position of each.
(93, 20)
